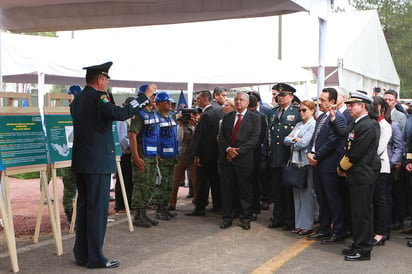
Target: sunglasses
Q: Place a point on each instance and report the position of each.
(303, 110)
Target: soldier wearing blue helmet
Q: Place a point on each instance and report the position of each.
(168, 149)
(144, 138)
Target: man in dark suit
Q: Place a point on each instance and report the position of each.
(360, 165)
(282, 120)
(326, 150)
(257, 170)
(219, 97)
(205, 151)
(93, 161)
(263, 172)
(238, 139)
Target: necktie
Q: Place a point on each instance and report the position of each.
(321, 122)
(236, 127)
(281, 113)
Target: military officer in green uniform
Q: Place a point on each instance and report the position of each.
(144, 138)
(168, 149)
(93, 161)
(282, 120)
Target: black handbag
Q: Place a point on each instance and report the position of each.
(295, 175)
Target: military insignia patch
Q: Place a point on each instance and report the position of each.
(290, 117)
(104, 99)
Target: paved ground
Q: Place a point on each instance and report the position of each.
(197, 245)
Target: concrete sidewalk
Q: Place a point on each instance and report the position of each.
(197, 245)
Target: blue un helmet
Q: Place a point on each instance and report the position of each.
(162, 96)
(142, 89)
(75, 90)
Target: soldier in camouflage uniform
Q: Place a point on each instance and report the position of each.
(143, 137)
(167, 149)
(69, 191)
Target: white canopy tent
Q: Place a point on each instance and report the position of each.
(356, 56)
(170, 64)
(53, 15)
(49, 15)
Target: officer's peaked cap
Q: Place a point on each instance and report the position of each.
(284, 89)
(98, 69)
(358, 97)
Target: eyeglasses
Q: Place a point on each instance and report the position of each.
(303, 110)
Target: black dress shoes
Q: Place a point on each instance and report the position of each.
(318, 236)
(225, 225)
(379, 242)
(409, 243)
(287, 227)
(333, 239)
(275, 225)
(264, 206)
(357, 256)
(347, 251)
(112, 264)
(254, 217)
(245, 225)
(196, 213)
(109, 264)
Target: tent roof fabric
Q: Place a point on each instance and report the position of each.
(356, 38)
(53, 15)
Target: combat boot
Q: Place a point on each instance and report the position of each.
(170, 214)
(161, 214)
(138, 220)
(147, 218)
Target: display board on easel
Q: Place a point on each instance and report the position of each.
(22, 150)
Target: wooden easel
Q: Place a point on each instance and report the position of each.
(53, 104)
(5, 204)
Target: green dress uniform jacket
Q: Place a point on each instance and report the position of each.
(93, 115)
(278, 130)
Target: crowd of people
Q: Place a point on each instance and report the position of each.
(354, 148)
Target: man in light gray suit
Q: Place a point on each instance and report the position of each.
(391, 97)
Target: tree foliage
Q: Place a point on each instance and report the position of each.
(396, 20)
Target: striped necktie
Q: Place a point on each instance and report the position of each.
(321, 122)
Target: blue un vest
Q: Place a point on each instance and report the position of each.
(150, 136)
(168, 145)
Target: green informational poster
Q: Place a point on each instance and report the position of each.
(59, 128)
(22, 140)
(116, 139)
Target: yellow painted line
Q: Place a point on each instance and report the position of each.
(279, 260)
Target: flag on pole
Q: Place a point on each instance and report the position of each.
(182, 100)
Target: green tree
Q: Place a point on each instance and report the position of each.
(396, 20)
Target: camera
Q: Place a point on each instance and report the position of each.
(186, 113)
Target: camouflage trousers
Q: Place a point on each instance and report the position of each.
(69, 191)
(143, 183)
(162, 192)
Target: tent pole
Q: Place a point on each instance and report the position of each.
(340, 71)
(190, 86)
(1, 62)
(321, 61)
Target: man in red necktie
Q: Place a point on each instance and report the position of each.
(239, 137)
